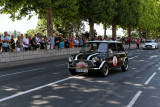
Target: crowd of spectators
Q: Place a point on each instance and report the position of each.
(25, 42)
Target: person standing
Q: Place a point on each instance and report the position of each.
(138, 42)
(61, 44)
(129, 42)
(57, 42)
(26, 44)
(51, 40)
(5, 40)
(71, 44)
(21, 38)
(47, 43)
(34, 43)
(12, 43)
(66, 44)
(18, 44)
(76, 42)
(0, 44)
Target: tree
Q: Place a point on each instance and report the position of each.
(108, 14)
(45, 9)
(149, 16)
(130, 15)
(92, 12)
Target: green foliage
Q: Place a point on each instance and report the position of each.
(31, 33)
(68, 15)
(41, 27)
(92, 10)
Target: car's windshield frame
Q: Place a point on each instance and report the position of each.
(95, 47)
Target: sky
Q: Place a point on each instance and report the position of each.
(6, 24)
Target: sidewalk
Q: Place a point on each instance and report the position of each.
(39, 57)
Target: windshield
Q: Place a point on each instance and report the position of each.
(95, 47)
(150, 41)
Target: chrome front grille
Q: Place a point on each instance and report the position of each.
(90, 63)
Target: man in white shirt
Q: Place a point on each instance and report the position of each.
(26, 44)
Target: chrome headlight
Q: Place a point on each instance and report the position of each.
(70, 59)
(94, 59)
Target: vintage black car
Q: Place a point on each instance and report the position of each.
(100, 56)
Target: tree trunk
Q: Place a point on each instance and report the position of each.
(129, 31)
(105, 28)
(140, 32)
(91, 25)
(114, 31)
(49, 22)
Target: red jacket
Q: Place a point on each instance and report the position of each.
(137, 41)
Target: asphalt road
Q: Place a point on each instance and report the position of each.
(51, 85)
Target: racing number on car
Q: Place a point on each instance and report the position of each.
(114, 61)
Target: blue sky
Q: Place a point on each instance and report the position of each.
(6, 24)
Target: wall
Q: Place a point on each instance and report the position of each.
(19, 56)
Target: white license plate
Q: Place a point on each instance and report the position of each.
(82, 70)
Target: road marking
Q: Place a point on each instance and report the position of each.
(22, 72)
(147, 82)
(134, 99)
(60, 64)
(133, 57)
(37, 88)
(159, 69)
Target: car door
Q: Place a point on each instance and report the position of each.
(112, 55)
(120, 54)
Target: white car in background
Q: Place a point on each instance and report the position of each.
(150, 44)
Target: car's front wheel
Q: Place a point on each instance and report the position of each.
(105, 70)
(72, 71)
(125, 66)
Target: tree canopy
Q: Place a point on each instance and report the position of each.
(67, 16)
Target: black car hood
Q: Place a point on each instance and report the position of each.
(85, 56)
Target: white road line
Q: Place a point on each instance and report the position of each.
(134, 99)
(133, 57)
(147, 82)
(159, 69)
(22, 72)
(35, 89)
(60, 64)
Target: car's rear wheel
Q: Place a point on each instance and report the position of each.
(72, 71)
(105, 70)
(125, 66)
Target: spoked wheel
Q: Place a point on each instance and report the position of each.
(104, 70)
(125, 66)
